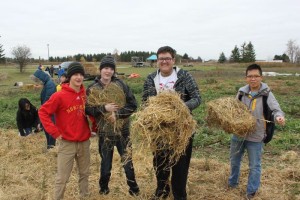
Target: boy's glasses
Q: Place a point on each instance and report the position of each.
(167, 59)
(253, 76)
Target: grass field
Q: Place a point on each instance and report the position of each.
(27, 170)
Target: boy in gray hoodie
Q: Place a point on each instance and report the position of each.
(252, 95)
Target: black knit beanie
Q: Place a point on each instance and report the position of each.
(108, 61)
(74, 67)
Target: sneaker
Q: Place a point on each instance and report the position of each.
(231, 187)
(104, 191)
(155, 197)
(250, 196)
(134, 192)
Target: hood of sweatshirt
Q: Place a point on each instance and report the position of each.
(42, 76)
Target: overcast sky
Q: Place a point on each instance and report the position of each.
(202, 28)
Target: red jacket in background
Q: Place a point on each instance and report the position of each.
(68, 106)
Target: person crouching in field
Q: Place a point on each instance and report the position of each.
(252, 95)
(71, 128)
(108, 136)
(27, 117)
(171, 78)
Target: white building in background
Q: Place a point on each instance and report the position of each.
(270, 61)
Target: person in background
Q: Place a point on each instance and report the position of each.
(62, 79)
(252, 96)
(51, 71)
(49, 88)
(72, 130)
(27, 118)
(40, 67)
(60, 72)
(168, 77)
(47, 71)
(108, 137)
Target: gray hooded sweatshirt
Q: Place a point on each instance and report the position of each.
(255, 105)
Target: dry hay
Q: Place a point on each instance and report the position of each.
(165, 124)
(231, 115)
(289, 156)
(28, 87)
(112, 93)
(90, 68)
(3, 76)
(27, 171)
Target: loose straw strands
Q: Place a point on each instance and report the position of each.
(112, 93)
(165, 124)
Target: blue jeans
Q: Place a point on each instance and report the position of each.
(106, 150)
(51, 141)
(254, 150)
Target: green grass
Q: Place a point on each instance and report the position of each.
(214, 82)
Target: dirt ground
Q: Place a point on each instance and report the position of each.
(27, 171)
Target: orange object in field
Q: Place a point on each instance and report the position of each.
(134, 75)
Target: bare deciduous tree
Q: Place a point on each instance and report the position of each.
(292, 50)
(116, 54)
(21, 54)
(297, 58)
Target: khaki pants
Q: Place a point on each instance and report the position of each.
(67, 152)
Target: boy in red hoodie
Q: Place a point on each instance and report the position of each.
(71, 129)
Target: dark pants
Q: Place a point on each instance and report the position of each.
(106, 149)
(26, 131)
(180, 170)
(50, 140)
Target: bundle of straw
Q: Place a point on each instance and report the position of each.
(28, 87)
(231, 115)
(3, 76)
(112, 93)
(165, 124)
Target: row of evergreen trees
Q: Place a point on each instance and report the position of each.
(123, 57)
(245, 54)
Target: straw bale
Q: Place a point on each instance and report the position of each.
(28, 87)
(165, 124)
(112, 93)
(231, 115)
(90, 68)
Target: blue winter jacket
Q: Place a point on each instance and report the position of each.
(49, 87)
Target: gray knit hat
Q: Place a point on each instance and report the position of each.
(108, 61)
(75, 67)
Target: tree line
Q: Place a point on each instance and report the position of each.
(121, 57)
(244, 53)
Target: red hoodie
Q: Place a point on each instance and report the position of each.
(68, 106)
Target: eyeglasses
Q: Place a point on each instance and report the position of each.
(167, 59)
(253, 76)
